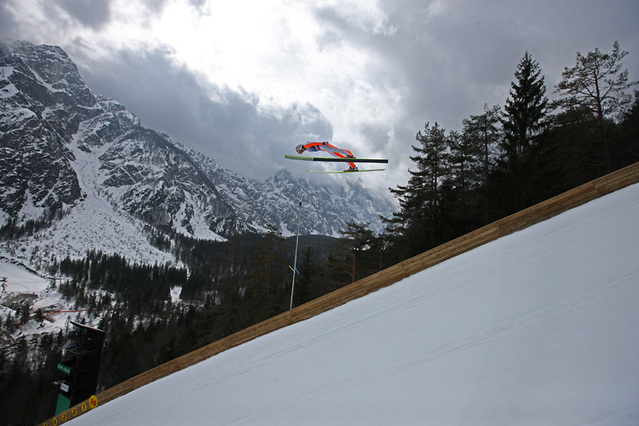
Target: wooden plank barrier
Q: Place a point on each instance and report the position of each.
(523, 219)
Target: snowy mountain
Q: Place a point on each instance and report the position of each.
(79, 172)
(539, 327)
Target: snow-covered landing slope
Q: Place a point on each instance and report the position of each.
(539, 327)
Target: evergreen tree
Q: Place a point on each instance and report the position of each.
(578, 155)
(337, 271)
(484, 132)
(304, 281)
(460, 190)
(266, 279)
(414, 226)
(524, 145)
(358, 238)
(525, 110)
(25, 312)
(629, 136)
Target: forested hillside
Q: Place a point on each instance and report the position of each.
(506, 159)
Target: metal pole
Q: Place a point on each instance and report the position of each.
(297, 240)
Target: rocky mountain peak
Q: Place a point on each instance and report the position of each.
(67, 153)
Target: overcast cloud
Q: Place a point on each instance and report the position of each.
(245, 81)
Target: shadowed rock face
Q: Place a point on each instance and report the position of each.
(35, 165)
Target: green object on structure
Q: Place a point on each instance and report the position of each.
(63, 404)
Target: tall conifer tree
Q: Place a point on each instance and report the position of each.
(525, 110)
(524, 123)
(267, 277)
(484, 131)
(415, 224)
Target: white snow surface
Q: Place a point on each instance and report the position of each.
(539, 327)
(22, 284)
(21, 280)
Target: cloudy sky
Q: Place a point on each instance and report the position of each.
(244, 81)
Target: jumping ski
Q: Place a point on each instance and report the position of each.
(346, 171)
(337, 159)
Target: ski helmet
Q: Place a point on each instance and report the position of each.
(300, 148)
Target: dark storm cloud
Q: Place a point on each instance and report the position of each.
(455, 56)
(336, 28)
(227, 125)
(9, 27)
(56, 22)
(90, 13)
(64, 14)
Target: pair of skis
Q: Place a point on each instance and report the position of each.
(340, 160)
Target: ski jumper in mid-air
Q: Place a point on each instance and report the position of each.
(325, 146)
